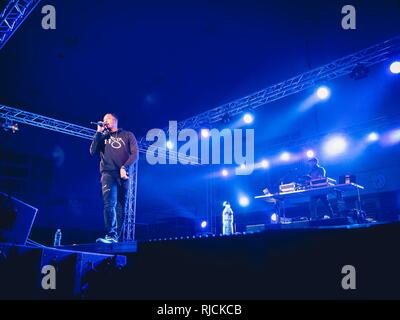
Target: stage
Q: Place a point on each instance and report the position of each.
(286, 263)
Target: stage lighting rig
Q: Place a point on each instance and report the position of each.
(9, 126)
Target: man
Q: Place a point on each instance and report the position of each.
(318, 172)
(118, 151)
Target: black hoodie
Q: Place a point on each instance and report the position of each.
(117, 149)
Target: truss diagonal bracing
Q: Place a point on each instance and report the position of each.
(13, 16)
(36, 120)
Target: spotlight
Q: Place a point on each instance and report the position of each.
(243, 166)
(205, 133)
(335, 145)
(372, 137)
(395, 67)
(323, 93)
(265, 164)
(203, 224)
(248, 118)
(8, 125)
(285, 156)
(274, 218)
(170, 145)
(394, 136)
(244, 201)
(310, 154)
(224, 173)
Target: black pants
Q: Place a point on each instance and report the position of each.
(115, 200)
(314, 206)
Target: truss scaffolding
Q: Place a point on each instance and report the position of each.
(13, 16)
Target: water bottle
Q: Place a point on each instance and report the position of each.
(57, 238)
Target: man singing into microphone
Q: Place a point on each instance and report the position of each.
(118, 151)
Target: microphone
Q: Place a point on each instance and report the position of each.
(98, 123)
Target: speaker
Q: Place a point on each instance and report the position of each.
(16, 219)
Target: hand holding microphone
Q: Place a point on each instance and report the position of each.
(101, 126)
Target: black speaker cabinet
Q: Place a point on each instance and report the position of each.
(16, 219)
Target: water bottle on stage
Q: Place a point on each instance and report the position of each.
(57, 238)
(227, 219)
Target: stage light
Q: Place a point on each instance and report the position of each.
(285, 156)
(248, 118)
(335, 145)
(170, 145)
(372, 137)
(265, 164)
(244, 201)
(323, 93)
(203, 224)
(205, 133)
(394, 136)
(395, 67)
(243, 166)
(274, 218)
(310, 154)
(224, 173)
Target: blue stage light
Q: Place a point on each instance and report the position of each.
(205, 133)
(248, 118)
(372, 137)
(323, 93)
(394, 136)
(285, 156)
(310, 154)
(224, 173)
(274, 218)
(244, 201)
(395, 67)
(203, 224)
(170, 145)
(335, 145)
(265, 164)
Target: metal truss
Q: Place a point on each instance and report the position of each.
(338, 68)
(13, 16)
(129, 226)
(36, 120)
(379, 124)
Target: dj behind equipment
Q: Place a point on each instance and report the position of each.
(315, 187)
